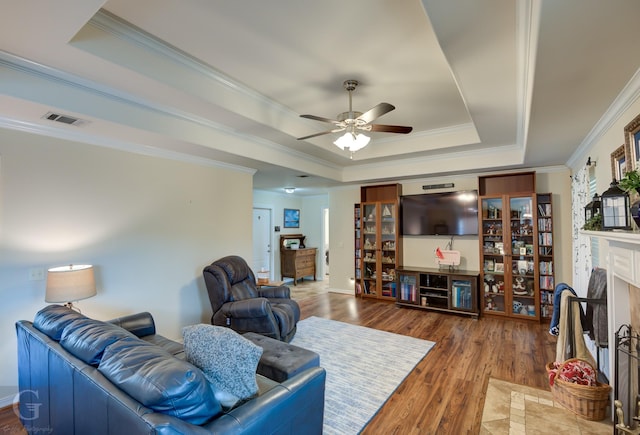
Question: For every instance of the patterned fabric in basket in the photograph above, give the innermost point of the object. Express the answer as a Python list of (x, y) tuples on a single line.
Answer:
[(577, 372)]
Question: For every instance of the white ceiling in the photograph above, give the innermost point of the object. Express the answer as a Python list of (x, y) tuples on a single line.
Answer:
[(486, 84)]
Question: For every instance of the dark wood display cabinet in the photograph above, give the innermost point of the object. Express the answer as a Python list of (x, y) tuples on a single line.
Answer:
[(378, 250), (453, 291), (509, 256)]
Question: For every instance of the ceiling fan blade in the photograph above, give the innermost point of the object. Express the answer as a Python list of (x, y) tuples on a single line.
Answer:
[(320, 118), (376, 112), (320, 134), (391, 128)]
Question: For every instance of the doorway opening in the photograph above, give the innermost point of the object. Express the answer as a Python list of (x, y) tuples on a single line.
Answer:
[(262, 244), (325, 241)]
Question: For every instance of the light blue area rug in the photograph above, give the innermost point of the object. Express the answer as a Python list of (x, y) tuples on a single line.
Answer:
[(364, 367)]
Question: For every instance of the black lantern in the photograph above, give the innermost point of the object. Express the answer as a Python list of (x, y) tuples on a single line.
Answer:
[(615, 208), (593, 208)]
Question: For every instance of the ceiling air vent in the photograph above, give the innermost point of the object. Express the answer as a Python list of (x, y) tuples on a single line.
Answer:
[(65, 119)]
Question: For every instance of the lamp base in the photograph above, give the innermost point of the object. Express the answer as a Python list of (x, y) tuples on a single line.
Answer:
[(72, 307)]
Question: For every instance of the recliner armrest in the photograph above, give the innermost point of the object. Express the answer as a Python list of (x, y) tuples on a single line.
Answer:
[(280, 292), (247, 308), (140, 324)]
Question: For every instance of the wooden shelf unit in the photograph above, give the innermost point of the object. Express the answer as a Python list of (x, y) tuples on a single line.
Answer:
[(452, 291), (546, 270), (377, 245), (509, 256)]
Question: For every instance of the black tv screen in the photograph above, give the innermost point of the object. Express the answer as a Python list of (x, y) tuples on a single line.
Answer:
[(440, 214)]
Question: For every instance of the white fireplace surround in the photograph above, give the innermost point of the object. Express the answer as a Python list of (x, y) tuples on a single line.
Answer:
[(622, 252)]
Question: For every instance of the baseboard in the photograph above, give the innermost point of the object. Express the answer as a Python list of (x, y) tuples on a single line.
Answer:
[(340, 290), (7, 401)]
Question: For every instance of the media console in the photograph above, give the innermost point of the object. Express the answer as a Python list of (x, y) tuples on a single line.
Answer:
[(453, 291)]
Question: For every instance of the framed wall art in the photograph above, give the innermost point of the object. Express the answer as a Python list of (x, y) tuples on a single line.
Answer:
[(632, 142), (291, 218), (619, 162)]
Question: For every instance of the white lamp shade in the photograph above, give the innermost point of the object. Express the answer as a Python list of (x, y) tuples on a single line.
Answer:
[(70, 283), (352, 142)]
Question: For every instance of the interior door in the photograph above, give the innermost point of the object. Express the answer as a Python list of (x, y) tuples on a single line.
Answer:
[(262, 251)]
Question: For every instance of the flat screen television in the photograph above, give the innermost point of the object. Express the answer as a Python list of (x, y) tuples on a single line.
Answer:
[(439, 214)]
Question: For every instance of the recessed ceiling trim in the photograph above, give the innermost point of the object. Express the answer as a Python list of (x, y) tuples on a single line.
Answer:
[(126, 31), (84, 137), (116, 26), (62, 78), (527, 28)]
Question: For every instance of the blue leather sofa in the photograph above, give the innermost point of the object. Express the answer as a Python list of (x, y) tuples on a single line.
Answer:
[(82, 376)]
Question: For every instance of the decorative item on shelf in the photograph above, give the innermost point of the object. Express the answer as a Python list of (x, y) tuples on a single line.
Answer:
[(69, 284), (630, 183), (594, 223), (386, 211), (262, 276), (593, 208), (615, 208)]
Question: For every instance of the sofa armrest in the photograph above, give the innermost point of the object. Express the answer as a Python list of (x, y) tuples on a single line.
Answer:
[(140, 324), (280, 292), (294, 406)]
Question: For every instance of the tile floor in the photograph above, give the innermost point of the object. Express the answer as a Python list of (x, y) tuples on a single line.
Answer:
[(518, 410)]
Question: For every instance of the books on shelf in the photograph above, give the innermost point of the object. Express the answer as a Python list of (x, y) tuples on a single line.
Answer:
[(544, 209), (408, 288), (461, 295), (545, 239), (546, 282), (546, 268), (546, 297), (545, 224)]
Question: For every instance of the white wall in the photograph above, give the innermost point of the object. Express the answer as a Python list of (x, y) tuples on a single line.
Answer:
[(341, 237), (148, 225)]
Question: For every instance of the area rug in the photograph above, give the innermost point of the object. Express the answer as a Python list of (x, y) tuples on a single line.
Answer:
[(364, 367), (517, 409)]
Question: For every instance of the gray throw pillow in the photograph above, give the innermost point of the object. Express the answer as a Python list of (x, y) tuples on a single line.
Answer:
[(228, 360)]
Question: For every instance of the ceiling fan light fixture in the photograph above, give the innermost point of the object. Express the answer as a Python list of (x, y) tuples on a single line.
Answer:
[(352, 142), (289, 189)]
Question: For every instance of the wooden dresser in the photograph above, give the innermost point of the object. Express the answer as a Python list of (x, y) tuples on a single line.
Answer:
[(297, 263)]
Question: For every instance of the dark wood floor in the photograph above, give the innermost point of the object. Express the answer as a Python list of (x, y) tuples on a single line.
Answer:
[(445, 392)]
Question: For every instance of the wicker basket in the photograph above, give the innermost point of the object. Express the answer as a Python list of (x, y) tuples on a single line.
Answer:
[(589, 402)]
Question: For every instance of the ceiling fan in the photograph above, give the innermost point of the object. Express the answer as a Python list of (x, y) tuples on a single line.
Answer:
[(351, 122)]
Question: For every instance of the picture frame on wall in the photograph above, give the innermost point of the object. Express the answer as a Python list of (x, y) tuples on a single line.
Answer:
[(619, 162), (291, 218), (632, 143)]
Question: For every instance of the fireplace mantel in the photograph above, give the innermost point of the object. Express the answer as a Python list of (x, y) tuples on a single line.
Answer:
[(622, 249), (623, 256), (616, 236)]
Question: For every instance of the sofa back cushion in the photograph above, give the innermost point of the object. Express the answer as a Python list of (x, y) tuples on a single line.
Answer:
[(159, 381), (87, 339), (52, 319)]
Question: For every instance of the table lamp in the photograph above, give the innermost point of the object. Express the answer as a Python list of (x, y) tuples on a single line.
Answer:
[(70, 283)]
